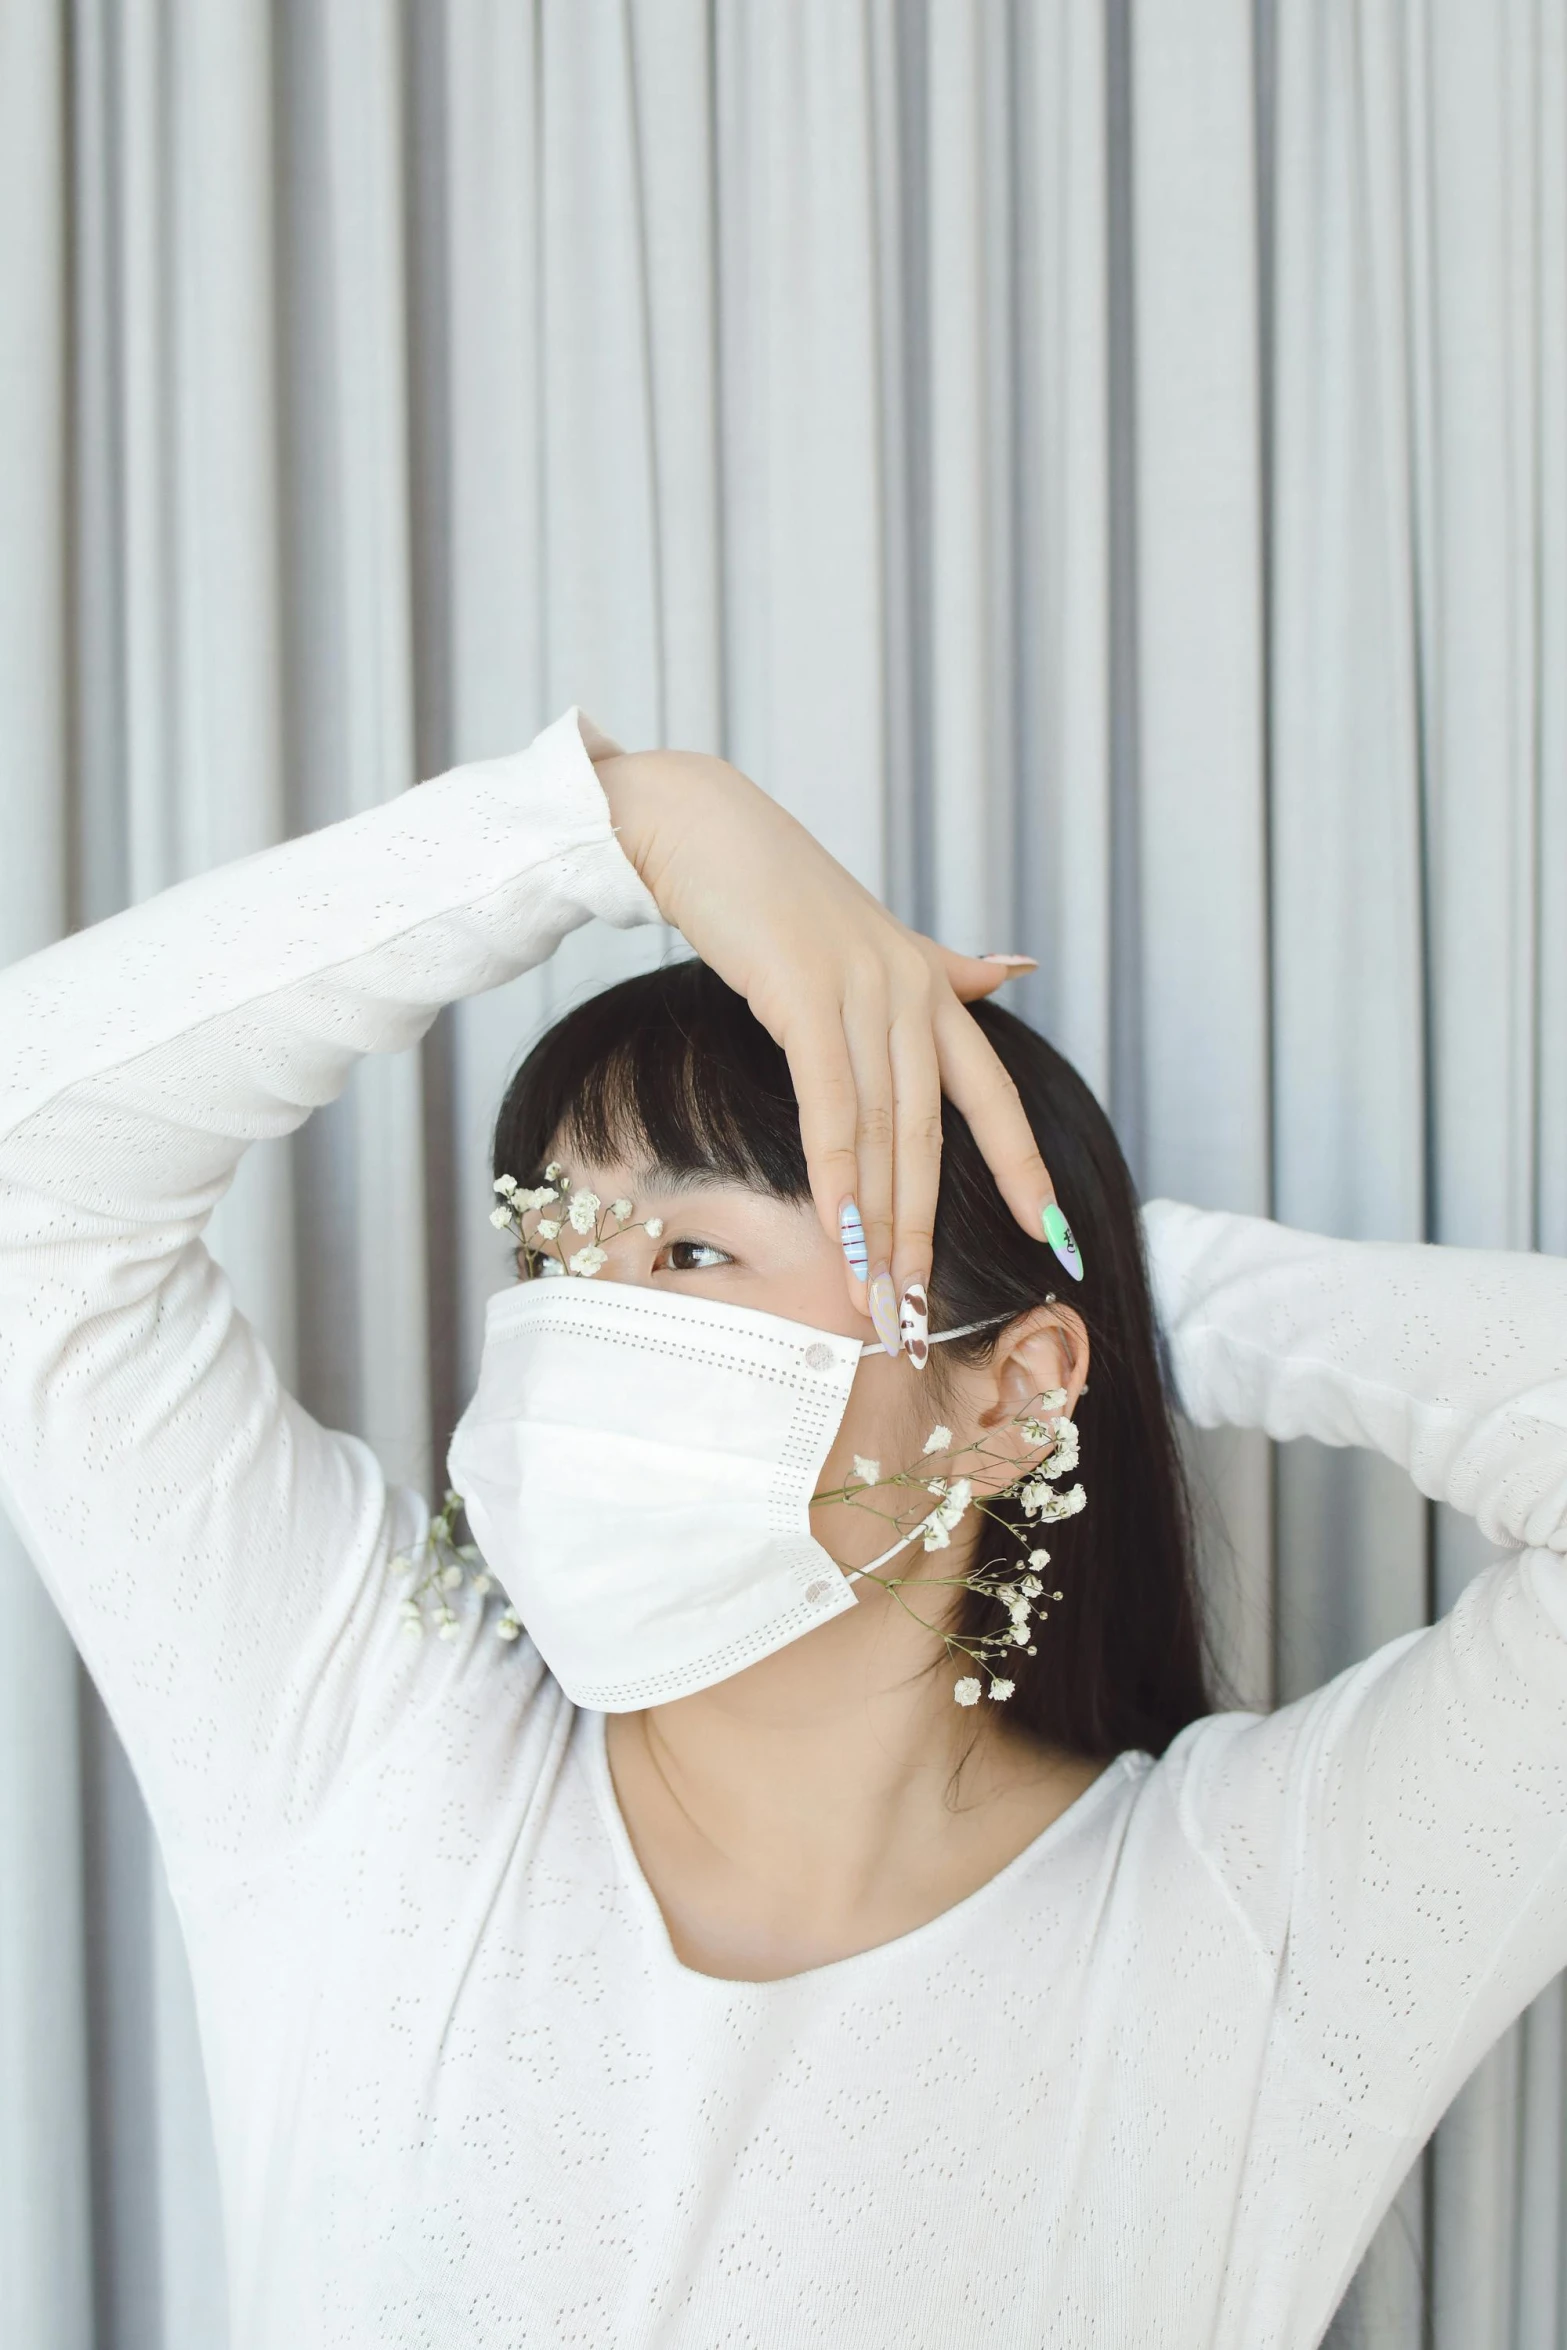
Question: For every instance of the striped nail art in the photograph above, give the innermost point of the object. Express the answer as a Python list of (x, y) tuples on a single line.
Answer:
[(852, 1233), (914, 1324)]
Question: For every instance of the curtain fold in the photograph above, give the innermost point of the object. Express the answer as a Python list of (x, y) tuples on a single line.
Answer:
[(1101, 465)]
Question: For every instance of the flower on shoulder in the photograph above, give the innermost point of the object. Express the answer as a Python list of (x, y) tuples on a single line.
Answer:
[(867, 1471), (938, 1439)]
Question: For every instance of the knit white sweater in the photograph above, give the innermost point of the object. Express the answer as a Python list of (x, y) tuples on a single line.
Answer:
[(1152, 2085)]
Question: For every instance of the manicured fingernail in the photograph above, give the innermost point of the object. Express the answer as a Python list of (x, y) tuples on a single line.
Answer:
[(914, 1324), (882, 1300), (852, 1233), (1014, 962), (1059, 1234)]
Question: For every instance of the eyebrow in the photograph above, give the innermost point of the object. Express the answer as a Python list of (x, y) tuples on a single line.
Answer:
[(679, 1181)]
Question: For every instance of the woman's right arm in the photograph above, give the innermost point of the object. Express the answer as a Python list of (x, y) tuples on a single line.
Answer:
[(218, 1556)]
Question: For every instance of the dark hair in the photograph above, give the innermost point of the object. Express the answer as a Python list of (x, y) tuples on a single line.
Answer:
[(674, 1067)]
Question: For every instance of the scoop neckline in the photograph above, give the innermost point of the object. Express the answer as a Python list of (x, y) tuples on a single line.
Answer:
[(1120, 1768)]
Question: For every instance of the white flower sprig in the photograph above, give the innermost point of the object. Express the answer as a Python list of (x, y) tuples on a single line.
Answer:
[(1021, 1591), (559, 1210), (441, 1565)]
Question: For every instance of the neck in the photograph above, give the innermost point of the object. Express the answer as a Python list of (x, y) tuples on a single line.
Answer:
[(827, 1799)]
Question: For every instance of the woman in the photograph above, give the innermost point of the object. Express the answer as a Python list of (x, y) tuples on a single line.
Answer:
[(792, 1989)]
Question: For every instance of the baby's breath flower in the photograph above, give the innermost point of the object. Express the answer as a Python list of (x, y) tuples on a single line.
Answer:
[(1039, 1560), (587, 1261), (1031, 1587), (547, 1228), (1039, 1500), (1052, 1400), (967, 1690), (536, 1199), (653, 1227), (1064, 1451), (501, 1219), (508, 1627), (1002, 1690), (447, 1628), (867, 1471), (582, 1211), (505, 1185), (938, 1441), (1019, 1635), (553, 1171), (450, 1578), (620, 1208), (483, 1584)]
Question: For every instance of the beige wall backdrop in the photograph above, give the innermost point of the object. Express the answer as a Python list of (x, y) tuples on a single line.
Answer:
[(1101, 462)]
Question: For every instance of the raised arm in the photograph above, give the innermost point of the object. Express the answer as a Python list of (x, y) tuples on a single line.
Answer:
[(1396, 1843), (218, 1556)]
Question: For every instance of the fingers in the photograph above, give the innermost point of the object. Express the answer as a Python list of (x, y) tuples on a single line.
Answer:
[(824, 1087), (916, 1077), (869, 1074), (974, 1079), (866, 1033), (972, 976)]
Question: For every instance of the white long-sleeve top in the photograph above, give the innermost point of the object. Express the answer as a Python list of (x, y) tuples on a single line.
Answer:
[(1153, 2084)]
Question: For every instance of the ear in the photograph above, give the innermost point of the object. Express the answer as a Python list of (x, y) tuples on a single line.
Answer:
[(1044, 1348)]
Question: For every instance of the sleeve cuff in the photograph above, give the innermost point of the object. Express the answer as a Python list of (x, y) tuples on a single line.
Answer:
[(609, 883)]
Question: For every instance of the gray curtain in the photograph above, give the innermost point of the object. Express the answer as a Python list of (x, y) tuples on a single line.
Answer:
[(1100, 462)]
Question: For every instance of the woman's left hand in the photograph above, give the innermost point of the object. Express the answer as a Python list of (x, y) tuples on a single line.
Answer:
[(869, 1013)]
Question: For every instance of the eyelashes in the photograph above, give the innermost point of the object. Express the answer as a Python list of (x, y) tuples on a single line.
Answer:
[(676, 1256)]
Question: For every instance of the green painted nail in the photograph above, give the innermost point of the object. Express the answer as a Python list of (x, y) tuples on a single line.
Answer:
[(1059, 1234)]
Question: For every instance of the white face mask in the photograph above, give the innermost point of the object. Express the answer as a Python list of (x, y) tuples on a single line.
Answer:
[(637, 1466)]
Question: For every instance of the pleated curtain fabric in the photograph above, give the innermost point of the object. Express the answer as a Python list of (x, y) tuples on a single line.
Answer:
[(1100, 463)]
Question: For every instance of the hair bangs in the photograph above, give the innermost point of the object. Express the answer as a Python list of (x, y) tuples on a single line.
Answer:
[(669, 1071)]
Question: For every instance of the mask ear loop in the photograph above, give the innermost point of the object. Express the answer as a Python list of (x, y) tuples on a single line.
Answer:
[(875, 1347)]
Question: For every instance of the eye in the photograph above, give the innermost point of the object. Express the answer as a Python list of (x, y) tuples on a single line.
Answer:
[(690, 1256)]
